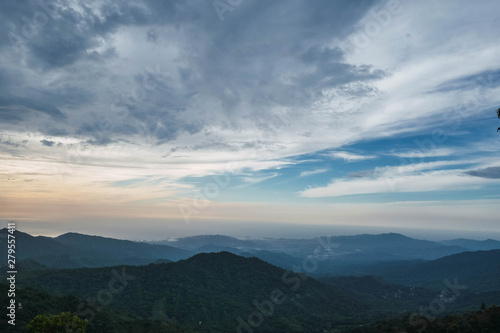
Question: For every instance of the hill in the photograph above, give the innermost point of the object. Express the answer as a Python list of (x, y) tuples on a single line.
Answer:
[(474, 245), (477, 270), (103, 319), (213, 293), (487, 320), (75, 250), (345, 255), (193, 242), (121, 249)]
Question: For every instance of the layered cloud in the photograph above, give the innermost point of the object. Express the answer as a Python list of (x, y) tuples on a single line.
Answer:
[(140, 101)]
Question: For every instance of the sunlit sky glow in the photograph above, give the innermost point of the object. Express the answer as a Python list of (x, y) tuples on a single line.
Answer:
[(153, 119)]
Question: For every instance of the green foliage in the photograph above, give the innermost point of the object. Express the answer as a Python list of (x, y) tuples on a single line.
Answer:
[(478, 270), (485, 321), (65, 322), (208, 293), (37, 302)]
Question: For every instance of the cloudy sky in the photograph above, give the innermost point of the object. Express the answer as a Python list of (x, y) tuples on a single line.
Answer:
[(153, 119)]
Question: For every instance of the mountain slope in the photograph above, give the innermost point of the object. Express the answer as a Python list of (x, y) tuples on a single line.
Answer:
[(75, 250), (193, 242), (35, 302), (361, 248), (477, 270), (121, 249), (474, 245), (218, 290), (28, 246)]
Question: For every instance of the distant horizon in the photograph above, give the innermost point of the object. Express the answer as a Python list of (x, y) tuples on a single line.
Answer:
[(299, 233)]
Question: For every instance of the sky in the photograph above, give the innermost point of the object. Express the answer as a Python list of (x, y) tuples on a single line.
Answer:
[(156, 119)]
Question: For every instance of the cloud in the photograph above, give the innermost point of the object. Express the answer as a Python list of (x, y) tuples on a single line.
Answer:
[(350, 157), (47, 143), (312, 172), (425, 182), (491, 173), (438, 152), (258, 179), (166, 89), (418, 177)]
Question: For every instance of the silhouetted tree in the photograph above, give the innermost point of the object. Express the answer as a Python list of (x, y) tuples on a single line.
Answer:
[(498, 114)]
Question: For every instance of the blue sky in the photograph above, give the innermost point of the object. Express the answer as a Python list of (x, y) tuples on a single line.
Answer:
[(187, 117)]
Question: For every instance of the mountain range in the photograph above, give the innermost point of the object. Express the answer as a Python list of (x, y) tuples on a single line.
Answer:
[(339, 255), (221, 284)]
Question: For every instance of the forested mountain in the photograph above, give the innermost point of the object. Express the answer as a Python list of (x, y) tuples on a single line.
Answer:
[(477, 270), (76, 250), (486, 320), (474, 245), (213, 293), (390, 246), (339, 255), (220, 292), (35, 302), (122, 249)]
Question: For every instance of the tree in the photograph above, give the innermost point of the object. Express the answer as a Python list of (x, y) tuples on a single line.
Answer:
[(66, 322), (498, 114)]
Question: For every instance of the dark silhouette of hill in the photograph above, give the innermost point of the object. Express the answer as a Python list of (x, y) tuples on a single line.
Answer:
[(477, 270), (193, 242), (36, 246), (35, 302), (278, 259), (75, 250), (210, 248), (474, 245), (121, 249), (339, 255), (486, 320), (215, 290)]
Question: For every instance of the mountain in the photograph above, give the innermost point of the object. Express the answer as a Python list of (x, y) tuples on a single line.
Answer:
[(194, 242), (486, 320), (474, 245), (396, 297), (383, 295), (209, 248), (75, 250), (477, 270), (363, 248), (35, 302), (277, 259), (214, 292), (339, 255), (28, 246), (391, 246), (122, 249)]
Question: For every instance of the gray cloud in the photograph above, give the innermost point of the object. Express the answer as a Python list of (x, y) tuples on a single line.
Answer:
[(362, 174), (491, 172), (264, 54), (47, 143), (21, 104)]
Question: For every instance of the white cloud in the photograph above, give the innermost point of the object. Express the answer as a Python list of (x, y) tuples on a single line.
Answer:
[(255, 179), (241, 96), (312, 172), (350, 157), (420, 177), (422, 153)]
